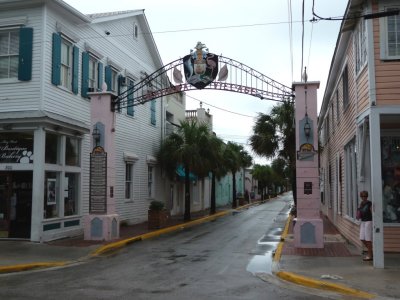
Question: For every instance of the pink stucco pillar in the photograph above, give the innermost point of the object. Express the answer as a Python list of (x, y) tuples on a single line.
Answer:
[(308, 229), (102, 223)]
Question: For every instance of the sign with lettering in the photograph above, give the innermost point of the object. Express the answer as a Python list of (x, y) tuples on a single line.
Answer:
[(98, 181), (16, 148)]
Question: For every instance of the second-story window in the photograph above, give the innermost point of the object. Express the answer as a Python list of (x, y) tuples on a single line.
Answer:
[(390, 35), (345, 82), (16, 61), (65, 63), (130, 109), (93, 73), (360, 46)]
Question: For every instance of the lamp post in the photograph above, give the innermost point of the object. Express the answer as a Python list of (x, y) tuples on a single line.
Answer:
[(307, 128), (96, 136)]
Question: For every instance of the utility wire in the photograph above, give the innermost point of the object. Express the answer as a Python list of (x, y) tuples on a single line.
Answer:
[(309, 50), (231, 112), (290, 36), (302, 39)]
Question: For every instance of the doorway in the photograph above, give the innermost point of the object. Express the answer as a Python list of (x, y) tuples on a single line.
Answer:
[(15, 204)]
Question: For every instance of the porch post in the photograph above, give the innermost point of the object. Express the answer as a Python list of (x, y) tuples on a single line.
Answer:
[(308, 230), (376, 187)]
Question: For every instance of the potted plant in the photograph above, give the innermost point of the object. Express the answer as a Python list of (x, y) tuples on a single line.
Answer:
[(157, 215)]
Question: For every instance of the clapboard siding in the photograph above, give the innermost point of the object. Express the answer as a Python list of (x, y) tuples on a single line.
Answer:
[(391, 239), (342, 130), (25, 95), (387, 73)]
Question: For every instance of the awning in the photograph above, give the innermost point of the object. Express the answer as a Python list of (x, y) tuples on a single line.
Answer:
[(180, 171)]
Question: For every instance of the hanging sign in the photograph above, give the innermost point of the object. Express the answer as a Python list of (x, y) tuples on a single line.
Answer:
[(201, 67)]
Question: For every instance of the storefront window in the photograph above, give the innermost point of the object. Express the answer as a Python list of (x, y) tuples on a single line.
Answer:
[(391, 179), (52, 142), (72, 151), (71, 194), (16, 147), (51, 195)]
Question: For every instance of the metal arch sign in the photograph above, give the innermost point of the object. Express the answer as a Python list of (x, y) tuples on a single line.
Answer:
[(200, 67)]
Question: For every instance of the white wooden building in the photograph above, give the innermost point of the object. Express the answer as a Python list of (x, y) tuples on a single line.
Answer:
[(51, 56)]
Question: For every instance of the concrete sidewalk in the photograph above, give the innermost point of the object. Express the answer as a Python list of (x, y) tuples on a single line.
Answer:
[(337, 268)]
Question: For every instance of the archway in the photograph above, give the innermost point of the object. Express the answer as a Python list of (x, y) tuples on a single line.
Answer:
[(203, 70)]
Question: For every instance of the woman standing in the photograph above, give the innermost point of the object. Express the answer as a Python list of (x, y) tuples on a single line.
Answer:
[(365, 211)]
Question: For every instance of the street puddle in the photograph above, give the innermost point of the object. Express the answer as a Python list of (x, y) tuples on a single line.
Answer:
[(260, 264)]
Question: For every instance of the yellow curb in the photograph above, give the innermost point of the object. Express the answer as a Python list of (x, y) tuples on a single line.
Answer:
[(279, 248), (37, 265), (319, 284), (117, 245)]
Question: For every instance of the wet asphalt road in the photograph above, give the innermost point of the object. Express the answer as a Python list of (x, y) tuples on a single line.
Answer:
[(216, 260)]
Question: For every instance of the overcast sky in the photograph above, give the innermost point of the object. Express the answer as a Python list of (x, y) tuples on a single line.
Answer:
[(253, 32)]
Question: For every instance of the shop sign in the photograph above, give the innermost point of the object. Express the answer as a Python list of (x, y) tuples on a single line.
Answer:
[(306, 152), (16, 148), (98, 181)]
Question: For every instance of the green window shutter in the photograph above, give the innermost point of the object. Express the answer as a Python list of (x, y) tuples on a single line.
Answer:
[(56, 60), (100, 76), (75, 69), (119, 90), (107, 77), (130, 110), (153, 112), (85, 74), (25, 53)]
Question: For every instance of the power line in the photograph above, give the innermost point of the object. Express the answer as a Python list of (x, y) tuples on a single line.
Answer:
[(290, 36), (302, 39), (228, 111)]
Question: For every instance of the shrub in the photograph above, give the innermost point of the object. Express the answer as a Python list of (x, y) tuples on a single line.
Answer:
[(156, 205)]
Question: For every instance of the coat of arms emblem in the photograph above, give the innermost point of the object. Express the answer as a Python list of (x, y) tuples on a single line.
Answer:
[(200, 66)]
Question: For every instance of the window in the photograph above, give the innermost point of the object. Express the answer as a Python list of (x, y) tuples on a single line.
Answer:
[(51, 195), (71, 188), (153, 112), (65, 63), (345, 82), (51, 148), (135, 31), (150, 181), (337, 106), (128, 181), (16, 56), (130, 109), (72, 151), (111, 78), (390, 36), (93, 69), (350, 169), (9, 45), (360, 46), (333, 117)]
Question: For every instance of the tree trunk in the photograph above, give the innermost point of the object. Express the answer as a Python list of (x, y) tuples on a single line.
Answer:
[(213, 200), (234, 204), (187, 216)]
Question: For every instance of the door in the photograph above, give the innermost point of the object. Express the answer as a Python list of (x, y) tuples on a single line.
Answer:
[(15, 204), (5, 194)]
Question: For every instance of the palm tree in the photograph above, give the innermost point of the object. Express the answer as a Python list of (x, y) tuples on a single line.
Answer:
[(264, 176), (235, 157), (186, 147), (216, 165), (274, 136)]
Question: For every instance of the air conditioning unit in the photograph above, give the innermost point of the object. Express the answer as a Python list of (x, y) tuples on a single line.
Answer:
[(90, 90)]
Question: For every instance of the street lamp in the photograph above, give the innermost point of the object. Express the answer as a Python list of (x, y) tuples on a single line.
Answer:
[(96, 136), (307, 128)]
